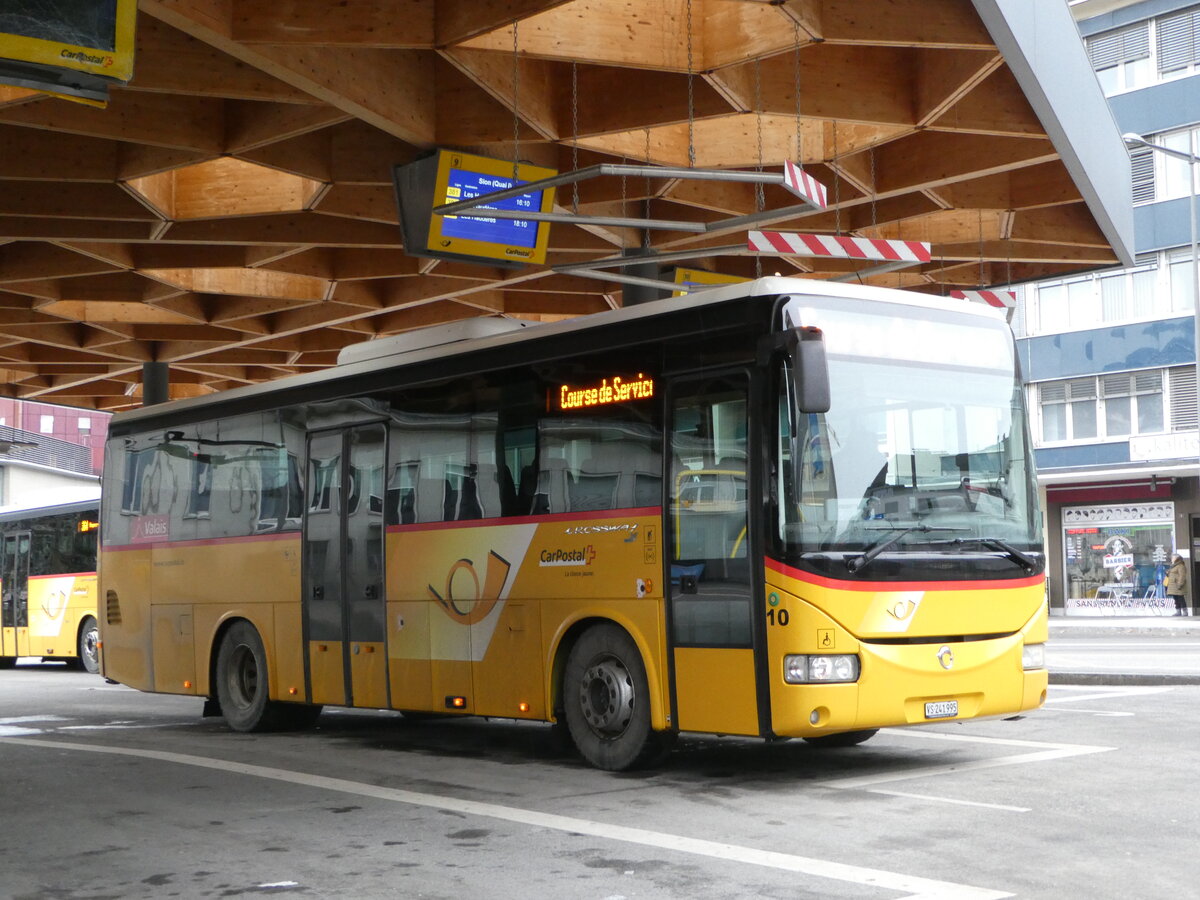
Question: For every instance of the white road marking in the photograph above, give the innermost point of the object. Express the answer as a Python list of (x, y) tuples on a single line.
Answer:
[(1083, 692), (1040, 751), (1089, 712), (914, 887), (22, 720), (1000, 806)]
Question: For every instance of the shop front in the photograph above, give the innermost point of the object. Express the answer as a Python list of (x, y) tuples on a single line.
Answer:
[(1115, 558)]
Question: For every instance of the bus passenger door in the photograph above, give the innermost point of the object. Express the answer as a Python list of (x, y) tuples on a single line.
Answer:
[(712, 635), (343, 568), (14, 595)]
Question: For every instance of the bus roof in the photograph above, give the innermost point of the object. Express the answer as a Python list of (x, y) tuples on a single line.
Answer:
[(444, 341), (15, 513)]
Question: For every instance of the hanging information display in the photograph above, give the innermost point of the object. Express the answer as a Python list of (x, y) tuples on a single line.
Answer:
[(450, 176), (71, 48)]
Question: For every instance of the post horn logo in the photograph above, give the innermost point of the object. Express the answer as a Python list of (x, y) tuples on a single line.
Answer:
[(946, 657), (469, 610)]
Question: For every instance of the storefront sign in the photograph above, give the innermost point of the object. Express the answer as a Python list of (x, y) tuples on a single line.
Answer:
[(1178, 445), (1125, 512)]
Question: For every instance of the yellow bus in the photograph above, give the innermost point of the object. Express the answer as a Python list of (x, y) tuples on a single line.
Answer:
[(786, 508), (48, 584)]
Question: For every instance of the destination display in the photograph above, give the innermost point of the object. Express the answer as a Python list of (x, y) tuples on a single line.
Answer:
[(608, 391)]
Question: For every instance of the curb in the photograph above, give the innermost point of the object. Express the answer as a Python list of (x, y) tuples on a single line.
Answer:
[(1117, 679)]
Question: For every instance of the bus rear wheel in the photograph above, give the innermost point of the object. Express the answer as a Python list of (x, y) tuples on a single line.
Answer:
[(243, 688), (89, 646), (607, 701), (7, 662), (845, 739)]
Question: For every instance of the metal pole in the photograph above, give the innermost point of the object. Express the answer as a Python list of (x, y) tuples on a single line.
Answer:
[(1195, 334)]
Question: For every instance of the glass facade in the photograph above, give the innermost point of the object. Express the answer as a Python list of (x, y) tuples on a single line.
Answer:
[(1115, 558)]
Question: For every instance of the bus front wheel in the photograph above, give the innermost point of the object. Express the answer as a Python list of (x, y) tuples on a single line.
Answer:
[(89, 646), (242, 686), (607, 701), (845, 739)]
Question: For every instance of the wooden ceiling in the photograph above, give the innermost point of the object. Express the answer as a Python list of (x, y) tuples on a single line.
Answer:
[(231, 212)]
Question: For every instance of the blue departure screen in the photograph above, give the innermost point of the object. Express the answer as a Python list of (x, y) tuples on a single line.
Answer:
[(463, 185)]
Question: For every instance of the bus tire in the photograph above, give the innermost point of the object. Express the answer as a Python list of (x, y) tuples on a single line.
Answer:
[(607, 701), (845, 739), (243, 685), (7, 662), (89, 647)]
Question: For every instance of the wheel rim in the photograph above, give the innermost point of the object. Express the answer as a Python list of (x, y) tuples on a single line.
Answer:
[(91, 645), (606, 697), (243, 676)]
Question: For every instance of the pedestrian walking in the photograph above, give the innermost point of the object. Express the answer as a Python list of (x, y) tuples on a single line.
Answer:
[(1177, 584)]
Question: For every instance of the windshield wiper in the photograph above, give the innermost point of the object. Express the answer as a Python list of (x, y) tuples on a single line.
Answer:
[(1024, 560), (855, 563)]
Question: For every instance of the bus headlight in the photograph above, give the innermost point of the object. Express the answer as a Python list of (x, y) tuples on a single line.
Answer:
[(1033, 656), (822, 669)]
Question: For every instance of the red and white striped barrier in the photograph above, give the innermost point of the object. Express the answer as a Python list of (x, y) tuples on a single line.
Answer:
[(782, 243), (998, 299), (803, 185)]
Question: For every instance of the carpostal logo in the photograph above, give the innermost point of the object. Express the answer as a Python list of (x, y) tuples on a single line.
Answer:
[(561, 557), (81, 57)]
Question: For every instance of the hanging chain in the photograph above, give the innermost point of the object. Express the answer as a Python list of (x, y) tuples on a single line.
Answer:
[(799, 160), (874, 196), (837, 186), (981, 275), (691, 92), (516, 82), (646, 202), (759, 199), (574, 135)]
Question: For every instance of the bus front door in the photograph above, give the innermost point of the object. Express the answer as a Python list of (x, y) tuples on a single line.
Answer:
[(14, 595), (711, 626), (343, 568)]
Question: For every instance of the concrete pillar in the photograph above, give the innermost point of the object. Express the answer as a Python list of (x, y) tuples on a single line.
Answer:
[(640, 293), (155, 383)]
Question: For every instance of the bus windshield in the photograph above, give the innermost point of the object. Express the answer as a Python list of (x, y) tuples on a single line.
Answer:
[(924, 445)]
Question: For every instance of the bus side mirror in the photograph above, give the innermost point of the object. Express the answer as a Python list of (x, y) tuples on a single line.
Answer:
[(810, 371)]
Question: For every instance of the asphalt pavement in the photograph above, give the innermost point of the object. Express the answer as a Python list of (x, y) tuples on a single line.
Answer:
[(1124, 650)]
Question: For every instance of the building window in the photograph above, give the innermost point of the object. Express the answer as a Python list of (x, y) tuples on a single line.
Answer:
[(1176, 45), (1108, 406), (84, 424), (47, 425), (1121, 58), (1143, 292)]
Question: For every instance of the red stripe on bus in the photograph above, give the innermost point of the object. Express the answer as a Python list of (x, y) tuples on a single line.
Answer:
[(202, 542), (893, 586), (581, 515), (63, 575)]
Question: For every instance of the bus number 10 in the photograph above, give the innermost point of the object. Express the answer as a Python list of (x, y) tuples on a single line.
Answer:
[(777, 617)]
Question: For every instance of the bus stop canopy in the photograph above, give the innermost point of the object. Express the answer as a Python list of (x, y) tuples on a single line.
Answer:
[(231, 213)]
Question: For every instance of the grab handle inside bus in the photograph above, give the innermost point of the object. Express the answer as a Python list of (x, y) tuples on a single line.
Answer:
[(810, 370)]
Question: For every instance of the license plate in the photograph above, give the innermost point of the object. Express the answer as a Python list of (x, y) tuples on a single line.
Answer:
[(942, 709)]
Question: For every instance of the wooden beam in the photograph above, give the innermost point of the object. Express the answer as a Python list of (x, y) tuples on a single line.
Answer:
[(42, 156), (903, 23), (45, 199), (390, 89), (169, 61), (159, 120), (22, 261), (284, 229), (251, 125), (459, 20), (397, 24), (531, 91)]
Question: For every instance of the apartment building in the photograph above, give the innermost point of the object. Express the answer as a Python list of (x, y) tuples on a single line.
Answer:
[(1110, 358)]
